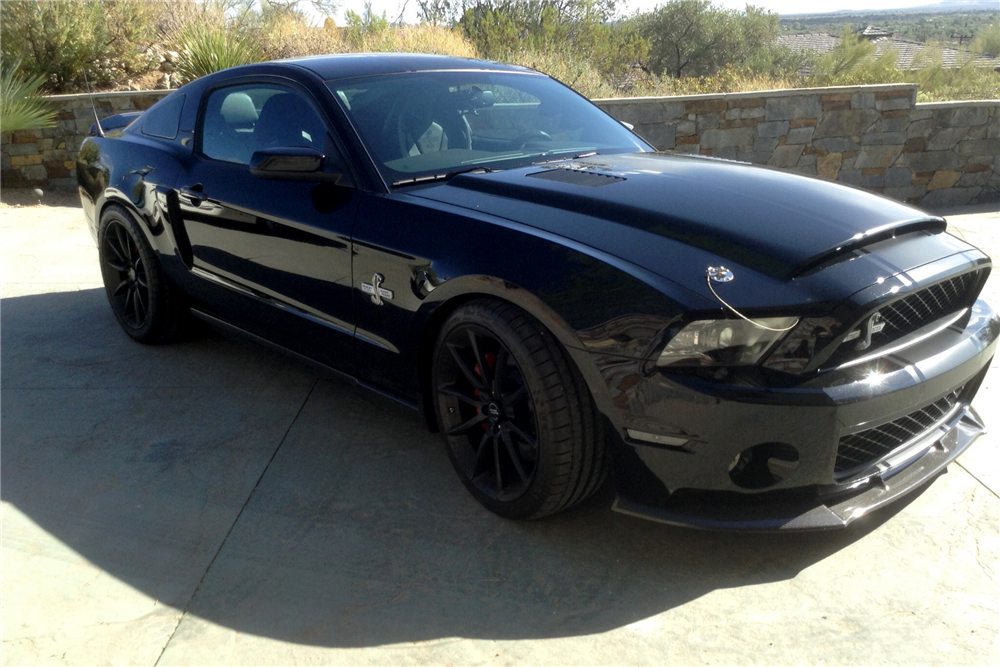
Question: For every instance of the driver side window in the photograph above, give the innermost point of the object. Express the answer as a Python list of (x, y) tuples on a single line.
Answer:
[(240, 120)]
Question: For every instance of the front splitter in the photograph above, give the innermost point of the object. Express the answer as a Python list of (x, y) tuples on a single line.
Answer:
[(818, 514)]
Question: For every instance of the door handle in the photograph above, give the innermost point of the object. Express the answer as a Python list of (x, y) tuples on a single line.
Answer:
[(194, 193)]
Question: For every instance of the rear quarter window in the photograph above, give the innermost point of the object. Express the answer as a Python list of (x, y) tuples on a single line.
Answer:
[(165, 119)]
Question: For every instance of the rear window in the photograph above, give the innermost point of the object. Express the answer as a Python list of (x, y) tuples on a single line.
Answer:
[(164, 120)]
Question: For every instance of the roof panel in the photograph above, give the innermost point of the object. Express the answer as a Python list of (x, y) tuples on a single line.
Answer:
[(344, 65)]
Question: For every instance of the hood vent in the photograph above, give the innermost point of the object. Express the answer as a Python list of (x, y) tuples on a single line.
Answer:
[(590, 179)]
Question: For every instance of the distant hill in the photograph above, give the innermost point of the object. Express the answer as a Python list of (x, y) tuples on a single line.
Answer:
[(950, 22), (936, 8)]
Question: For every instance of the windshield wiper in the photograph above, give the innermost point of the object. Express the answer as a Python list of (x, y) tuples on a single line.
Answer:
[(568, 157), (444, 176)]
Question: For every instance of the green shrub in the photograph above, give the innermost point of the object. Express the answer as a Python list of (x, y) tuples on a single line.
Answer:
[(367, 31), (575, 71), (57, 40), (967, 82), (853, 62), (987, 40), (205, 49), (21, 107)]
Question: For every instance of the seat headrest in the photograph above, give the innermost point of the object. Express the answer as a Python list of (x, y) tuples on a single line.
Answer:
[(283, 119), (238, 109)]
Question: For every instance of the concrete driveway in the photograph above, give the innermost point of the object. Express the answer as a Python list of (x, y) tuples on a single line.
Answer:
[(212, 503)]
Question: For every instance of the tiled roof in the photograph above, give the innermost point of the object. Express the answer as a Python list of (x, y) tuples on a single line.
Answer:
[(908, 54), (872, 31)]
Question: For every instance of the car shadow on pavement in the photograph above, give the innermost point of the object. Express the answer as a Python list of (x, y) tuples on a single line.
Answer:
[(229, 482)]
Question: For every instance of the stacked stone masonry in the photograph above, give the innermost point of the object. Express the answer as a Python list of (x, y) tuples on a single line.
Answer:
[(47, 157), (937, 155)]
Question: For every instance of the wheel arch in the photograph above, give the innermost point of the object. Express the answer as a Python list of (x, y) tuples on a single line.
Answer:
[(486, 289), (114, 196)]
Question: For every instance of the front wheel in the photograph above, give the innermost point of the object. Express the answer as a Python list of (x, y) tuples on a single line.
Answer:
[(518, 422)]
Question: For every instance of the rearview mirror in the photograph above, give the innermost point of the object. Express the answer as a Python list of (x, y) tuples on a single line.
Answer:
[(482, 98), (291, 163)]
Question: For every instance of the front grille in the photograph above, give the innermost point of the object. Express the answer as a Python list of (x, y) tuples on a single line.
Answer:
[(910, 313), (915, 310), (868, 446)]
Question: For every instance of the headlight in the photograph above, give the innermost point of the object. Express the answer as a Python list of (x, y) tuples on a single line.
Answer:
[(724, 342)]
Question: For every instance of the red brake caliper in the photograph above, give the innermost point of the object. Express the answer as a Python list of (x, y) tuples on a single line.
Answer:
[(491, 361)]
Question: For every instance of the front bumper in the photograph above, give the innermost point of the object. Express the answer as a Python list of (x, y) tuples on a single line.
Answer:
[(692, 484), (941, 446)]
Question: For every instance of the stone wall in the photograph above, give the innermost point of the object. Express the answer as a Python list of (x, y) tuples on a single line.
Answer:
[(48, 157), (936, 155)]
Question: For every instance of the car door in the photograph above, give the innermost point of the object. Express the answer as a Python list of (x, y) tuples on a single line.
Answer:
[(282, 247)]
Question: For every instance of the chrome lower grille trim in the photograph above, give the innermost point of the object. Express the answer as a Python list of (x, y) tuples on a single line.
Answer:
[(872, 447)]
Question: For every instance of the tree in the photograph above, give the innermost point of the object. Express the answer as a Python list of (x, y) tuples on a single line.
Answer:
[(361, 27), (987, 40), (501, 28), (437, 12), (688, 38), (695, 38)]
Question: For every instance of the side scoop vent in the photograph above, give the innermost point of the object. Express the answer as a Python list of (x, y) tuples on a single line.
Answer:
[(590, 179)]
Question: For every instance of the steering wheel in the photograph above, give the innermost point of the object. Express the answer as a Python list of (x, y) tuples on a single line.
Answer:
[(520, 140)]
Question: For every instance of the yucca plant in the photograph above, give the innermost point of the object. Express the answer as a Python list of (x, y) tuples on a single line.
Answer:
[(21, 107), (206, 49)]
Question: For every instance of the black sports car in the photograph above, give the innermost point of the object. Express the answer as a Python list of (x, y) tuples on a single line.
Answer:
[(735, 346)]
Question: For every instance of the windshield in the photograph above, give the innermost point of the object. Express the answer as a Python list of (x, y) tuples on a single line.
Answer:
[(433, 124)]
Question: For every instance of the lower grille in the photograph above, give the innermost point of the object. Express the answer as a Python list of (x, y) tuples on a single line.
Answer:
[(868, 446)]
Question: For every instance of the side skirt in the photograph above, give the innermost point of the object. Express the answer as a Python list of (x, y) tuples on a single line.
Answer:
[(328, 371)]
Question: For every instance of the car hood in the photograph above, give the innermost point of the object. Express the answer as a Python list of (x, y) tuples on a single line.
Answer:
[(771, 221), (672, 213)]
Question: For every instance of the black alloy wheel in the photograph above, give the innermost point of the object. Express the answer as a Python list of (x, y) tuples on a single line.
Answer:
[(147, 306), (122, 261), (488, 408), (518, 421)]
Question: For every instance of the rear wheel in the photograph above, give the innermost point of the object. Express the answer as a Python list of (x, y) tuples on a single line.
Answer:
[(146, 305), (518, 422)]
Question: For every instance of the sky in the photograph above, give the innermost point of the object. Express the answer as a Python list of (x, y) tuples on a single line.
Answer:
[(392, 8)]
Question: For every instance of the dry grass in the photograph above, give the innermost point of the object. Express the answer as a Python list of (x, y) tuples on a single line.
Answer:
[(423, 38), (577, 73), (288, 37)]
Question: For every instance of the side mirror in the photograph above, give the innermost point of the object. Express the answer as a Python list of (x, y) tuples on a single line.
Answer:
[(628, 125), (291, 163)]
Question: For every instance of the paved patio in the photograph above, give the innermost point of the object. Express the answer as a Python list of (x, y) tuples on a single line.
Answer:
[(212, 503)]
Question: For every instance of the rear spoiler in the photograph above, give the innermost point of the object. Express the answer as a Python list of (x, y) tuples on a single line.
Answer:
[(116, 122)]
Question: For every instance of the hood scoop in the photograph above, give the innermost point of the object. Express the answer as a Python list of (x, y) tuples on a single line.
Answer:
[(861, 243), (590, 179)]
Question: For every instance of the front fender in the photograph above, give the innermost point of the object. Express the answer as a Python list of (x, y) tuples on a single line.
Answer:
[(433, 257)]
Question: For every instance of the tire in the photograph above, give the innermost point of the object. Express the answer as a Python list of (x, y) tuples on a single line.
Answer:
[(147, 306), (525, 438)]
